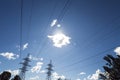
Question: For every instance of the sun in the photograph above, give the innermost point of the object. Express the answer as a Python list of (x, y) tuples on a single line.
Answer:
[(60, 39)]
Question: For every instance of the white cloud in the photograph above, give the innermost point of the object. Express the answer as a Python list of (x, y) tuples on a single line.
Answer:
[(62, 77), (35, 58), (60, 40), (42, 71), (25, 46), (117, 50), (78, 79), (54, 22), (82, 73), (13, 72), (9, 55), (37, 67), (94, 76), (34, 78), (55, 76)]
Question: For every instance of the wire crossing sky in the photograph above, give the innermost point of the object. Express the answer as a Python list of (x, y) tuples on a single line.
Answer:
[(74, 34)]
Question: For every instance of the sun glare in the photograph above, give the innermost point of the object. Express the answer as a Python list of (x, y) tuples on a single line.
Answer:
[(60, 40)]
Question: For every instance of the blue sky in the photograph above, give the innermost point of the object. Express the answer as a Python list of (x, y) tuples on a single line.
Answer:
[(92, 25)]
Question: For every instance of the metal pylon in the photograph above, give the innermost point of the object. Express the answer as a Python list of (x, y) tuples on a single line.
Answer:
[(25, 64)]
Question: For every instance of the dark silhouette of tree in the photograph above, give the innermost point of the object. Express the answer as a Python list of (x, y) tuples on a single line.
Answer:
[(16, 78), (112, 68), (5, 75)]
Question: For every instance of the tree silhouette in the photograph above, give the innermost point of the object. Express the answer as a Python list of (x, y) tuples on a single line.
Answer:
[(17, 77), (5, 75), (112, 68)]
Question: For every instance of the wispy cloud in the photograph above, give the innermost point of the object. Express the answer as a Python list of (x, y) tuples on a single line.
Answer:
[(60, 40), (13, 72), (53, 23), (25, 46), (117, 50), (34, 78), (82, 73), (35, 58), (37, 67), (9, 55)]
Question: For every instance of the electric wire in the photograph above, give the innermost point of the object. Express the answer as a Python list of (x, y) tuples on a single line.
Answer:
[(112, 22), (110, 33), (103, 38), (63, 10), (90, 57), (83, 66), (40, 49), (30, 20), (59, 18), (21, 24), (62, 13)]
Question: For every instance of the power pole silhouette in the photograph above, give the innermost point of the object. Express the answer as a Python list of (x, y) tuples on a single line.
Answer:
[(49, 68), (25, 64)]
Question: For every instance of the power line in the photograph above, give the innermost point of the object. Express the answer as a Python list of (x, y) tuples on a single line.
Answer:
[(92, 35), (60, 17), (40, 49), (103, 38), (88, 58), (96, 34), (83, 66), (30, 19), (62, 13), (110, 33), (64, 10), (21, 23)]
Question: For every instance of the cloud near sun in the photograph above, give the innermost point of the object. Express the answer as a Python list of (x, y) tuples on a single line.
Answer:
[(59, 39)]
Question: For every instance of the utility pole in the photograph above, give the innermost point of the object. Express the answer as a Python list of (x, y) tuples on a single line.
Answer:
[(49, 68), (25, 64)]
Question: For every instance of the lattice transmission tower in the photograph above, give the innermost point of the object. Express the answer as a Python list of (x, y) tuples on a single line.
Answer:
[(49, 72), (25, 64)]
